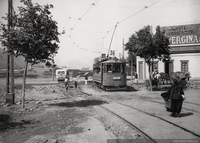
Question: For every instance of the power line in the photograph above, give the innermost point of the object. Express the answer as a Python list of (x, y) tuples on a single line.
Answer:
[(139, 11), (93, 4), (130, 17), (81, 2)]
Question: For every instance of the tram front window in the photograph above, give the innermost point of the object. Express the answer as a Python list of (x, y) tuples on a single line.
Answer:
[(116, 68), (123, 68), (96, 70)]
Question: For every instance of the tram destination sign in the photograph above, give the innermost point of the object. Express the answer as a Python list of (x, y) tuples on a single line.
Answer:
[(183, 34)]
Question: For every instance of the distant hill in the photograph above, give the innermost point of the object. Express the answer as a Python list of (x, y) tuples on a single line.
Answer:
[(76, 64), (18, 62)]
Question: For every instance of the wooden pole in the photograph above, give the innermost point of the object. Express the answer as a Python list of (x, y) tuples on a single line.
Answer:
[(11, 58), (123, 50), (10, 62)]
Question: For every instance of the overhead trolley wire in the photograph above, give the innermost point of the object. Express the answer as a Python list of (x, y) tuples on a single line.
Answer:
[(93, 4), (139, 11), (128, 18)]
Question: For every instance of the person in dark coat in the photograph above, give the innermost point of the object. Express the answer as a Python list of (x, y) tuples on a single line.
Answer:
[(176, 97)]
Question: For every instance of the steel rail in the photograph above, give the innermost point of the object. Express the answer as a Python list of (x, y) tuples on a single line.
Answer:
[(133, 126), (127, 122), (183, 128)]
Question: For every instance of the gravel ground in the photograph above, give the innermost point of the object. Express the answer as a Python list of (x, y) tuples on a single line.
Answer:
[(51, 116)]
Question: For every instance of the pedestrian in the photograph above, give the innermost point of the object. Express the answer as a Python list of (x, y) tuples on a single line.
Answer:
[(155, 76), (75, 82), (136, 77), (86, 79), (154, 73), (66, 82), (176, 97)]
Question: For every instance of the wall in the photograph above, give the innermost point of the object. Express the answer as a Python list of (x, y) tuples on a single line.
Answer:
[(193, 66)]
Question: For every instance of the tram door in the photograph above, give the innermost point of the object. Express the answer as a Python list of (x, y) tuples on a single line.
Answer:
[(140, 74), (169, 67)]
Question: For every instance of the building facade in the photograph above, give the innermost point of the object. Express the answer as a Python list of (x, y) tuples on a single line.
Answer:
[(185, 52)]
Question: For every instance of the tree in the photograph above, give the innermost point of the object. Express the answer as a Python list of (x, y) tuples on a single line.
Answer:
[(132, 62), (148, 46), (131, 54), (34, 36)]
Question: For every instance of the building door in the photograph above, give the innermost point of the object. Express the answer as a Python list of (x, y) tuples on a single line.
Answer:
[(140, 70), (169, 67)]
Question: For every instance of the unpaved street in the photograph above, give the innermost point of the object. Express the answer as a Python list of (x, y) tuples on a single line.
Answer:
[(51, 115)]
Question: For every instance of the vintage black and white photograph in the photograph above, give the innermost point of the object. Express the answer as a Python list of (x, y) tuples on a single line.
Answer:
[(99, 71)]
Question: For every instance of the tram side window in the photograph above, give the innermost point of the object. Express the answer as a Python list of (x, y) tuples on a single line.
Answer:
[(109, 68), (104, 69), (116, 68), (123, 68)]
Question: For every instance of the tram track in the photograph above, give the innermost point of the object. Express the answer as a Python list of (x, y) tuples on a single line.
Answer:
[(185, 129), (145, 135), (153, 115), (159, 102)]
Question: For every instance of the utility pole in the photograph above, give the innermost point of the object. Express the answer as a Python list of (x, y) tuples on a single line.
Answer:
[(123, 50), (131, 56), (53, 68), (10, 62)]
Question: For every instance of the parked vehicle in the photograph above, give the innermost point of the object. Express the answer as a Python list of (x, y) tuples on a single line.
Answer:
[(61, 74)]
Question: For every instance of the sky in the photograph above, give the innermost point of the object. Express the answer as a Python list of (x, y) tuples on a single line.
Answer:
[(89, 25)]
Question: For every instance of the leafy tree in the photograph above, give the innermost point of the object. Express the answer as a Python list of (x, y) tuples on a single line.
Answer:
[(148, 46), (131, 53), (34, 36), (132, 62)]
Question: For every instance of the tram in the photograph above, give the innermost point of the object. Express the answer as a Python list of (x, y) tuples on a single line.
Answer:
[(109, 73)]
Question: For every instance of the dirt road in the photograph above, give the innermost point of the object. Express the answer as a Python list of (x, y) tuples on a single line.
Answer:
[(52, 116)]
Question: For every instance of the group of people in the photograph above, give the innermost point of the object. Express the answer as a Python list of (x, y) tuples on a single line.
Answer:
[(67, 80)]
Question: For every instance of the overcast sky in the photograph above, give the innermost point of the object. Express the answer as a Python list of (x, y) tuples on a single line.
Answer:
[(89, 24)]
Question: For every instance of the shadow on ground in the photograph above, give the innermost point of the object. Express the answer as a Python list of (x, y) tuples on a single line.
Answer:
[(127, 89), (7, 123), (82, 103), (186, 114), (164, 88)]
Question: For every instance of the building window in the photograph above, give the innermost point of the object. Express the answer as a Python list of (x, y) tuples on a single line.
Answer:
[(184, 66)]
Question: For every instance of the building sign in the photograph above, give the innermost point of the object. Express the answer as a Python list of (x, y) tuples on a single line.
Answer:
[(183, 34)]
